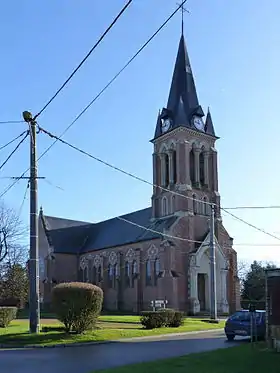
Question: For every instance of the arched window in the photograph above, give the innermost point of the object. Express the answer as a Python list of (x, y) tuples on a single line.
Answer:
[(167, 178), (173, 203), (174, 166), (134, 268), (164, 206), (156, 270), (127, 274), (134, 272), (110, 276), (204, 206), (90, 272), (117, 270), (194, 204), (81, 275), (94, 275), (201, 167), (99, 274), (192, 167), (85, 274), (148, 273)]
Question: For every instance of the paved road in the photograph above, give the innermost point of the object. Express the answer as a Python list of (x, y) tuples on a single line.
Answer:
[(103, 356)]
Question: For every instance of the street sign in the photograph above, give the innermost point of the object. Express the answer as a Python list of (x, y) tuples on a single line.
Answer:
[(158, 304)]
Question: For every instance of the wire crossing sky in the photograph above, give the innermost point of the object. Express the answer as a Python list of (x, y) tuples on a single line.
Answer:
[(229, 56)]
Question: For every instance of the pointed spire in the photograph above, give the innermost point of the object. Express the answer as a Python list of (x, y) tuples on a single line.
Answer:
[(182, 95), (183, 105), (209, 127)]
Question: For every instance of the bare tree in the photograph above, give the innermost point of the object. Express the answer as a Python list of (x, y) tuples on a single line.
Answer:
[(13, 233), (242, 269)]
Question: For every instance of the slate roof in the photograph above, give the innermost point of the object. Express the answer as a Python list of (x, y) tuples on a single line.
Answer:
[(209, 127), (76, 237), (182, 101), (53, 222)]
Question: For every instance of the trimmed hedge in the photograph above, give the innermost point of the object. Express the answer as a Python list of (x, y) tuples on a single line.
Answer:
[(178, 320), (152, 319), (162, 318), (7, 314), (77, 305), (167, 315)]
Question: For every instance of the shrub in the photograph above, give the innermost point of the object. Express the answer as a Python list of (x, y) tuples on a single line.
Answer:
[(7, 314), (152, 319), (163, 317), (77, 305), (167, 315), (178, 318)]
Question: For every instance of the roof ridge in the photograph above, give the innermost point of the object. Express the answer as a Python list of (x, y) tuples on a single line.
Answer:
[(123, 215), (58, 217), (73, 227)]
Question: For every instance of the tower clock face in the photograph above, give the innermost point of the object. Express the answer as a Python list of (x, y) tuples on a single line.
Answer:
[(198, 123), (165, 124)]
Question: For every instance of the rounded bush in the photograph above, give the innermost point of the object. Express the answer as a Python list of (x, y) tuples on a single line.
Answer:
[(77, 305), (7, 314), (165, 317), (177, 320), (152, 319)]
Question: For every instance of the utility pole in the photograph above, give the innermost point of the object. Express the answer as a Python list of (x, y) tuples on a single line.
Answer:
[(34, 301), (213, 287)]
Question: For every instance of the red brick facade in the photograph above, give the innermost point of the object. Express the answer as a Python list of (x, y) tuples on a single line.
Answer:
[(176, 266)]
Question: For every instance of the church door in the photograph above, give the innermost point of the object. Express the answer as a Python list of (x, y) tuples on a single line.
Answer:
[(201, 291)]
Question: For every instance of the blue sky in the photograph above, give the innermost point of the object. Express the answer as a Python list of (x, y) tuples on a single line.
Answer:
[(234, 52)]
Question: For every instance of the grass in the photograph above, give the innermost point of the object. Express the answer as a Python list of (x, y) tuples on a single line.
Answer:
[(121, 319), (241, 359), (24, 314), (108, 328)]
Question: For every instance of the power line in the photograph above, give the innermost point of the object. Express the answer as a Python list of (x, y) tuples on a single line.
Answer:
[(226, 208), (150, 183), (53, 185), (113, 79), (15, 149), (189, 240), (11, 185), (13, 140), (96, 97), (250, 225), (115, 167), (24, 198), (181, 238), (252, 207), (84, 59), (257, 244), (11, 121), (156, 232)]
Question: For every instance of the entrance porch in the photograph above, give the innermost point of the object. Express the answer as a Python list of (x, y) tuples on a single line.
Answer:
[(200, 279)]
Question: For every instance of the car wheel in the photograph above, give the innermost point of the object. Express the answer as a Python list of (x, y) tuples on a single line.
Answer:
[(230, 337)]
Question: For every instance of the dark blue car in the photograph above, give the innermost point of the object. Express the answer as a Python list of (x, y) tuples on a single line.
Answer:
[(240, 324)]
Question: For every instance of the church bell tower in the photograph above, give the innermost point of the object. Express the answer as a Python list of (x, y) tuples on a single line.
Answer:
[(184, 158)]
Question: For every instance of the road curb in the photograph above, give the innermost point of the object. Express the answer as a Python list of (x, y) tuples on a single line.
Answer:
[(86, 344)]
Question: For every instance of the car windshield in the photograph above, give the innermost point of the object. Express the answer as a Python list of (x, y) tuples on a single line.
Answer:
[(245, 316)]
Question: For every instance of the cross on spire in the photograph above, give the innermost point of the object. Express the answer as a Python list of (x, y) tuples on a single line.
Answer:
[(183, 10)]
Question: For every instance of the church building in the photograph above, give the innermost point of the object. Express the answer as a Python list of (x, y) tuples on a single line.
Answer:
[(160, 252)]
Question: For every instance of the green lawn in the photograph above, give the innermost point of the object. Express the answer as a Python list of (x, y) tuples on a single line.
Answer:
[(108, 328), (24, 314), (121, 319), (241, 359)]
